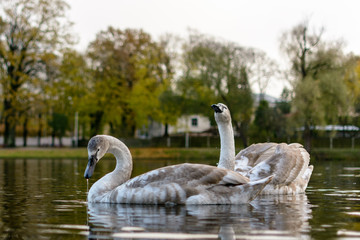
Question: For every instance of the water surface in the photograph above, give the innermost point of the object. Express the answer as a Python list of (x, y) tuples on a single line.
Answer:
[(46, 199)]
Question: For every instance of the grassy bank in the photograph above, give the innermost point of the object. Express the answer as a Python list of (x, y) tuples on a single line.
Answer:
[(336, 154), (163, 153)]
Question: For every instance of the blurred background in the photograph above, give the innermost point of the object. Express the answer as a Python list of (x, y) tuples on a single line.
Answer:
[(148, 72)]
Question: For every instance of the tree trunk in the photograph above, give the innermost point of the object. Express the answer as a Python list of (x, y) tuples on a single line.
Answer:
[(307, 138), (60, 141), (242, 126), (39, 131), (9, 108), (95, 124), (25, 131), (9, 121), (166, 134), (53, 138)]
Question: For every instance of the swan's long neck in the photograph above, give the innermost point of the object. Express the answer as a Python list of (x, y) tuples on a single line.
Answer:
[(227, 149), (121, 173), (123, 157)]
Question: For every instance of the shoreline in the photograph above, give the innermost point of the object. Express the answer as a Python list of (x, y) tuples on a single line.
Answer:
[(159, 153)]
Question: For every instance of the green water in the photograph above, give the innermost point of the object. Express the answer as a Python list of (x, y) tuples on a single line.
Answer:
[(46, 199)]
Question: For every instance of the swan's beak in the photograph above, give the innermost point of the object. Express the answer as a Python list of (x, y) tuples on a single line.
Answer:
[(216, 108), (90, 167)]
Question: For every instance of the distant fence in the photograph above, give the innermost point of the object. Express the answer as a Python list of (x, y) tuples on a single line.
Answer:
[(44, 141), (194, 141), (214, 142)]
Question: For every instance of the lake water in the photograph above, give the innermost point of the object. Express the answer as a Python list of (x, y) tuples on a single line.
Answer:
[(46, 199)]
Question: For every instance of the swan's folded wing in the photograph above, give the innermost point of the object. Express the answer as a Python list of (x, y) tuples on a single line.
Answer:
[(305, 160), (256, 153), (234, 178), (295, 161), (189, 175), (275, 164), (187, 184), (287, 163)]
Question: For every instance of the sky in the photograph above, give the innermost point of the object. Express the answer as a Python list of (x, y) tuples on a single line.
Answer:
[(250, 23)]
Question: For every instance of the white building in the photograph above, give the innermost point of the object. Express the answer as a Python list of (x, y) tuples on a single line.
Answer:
[(190, 123), (186, 124)]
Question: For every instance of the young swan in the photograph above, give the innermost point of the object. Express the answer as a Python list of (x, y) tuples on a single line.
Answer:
[(177, 184), (227, 144), (288, 163)]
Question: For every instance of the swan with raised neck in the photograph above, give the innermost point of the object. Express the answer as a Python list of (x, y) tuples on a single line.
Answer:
[(227, 143), (287, 163), (178, 184)]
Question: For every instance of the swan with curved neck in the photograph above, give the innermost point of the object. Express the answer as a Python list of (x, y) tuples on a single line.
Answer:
[(288, 163), (178, 184)]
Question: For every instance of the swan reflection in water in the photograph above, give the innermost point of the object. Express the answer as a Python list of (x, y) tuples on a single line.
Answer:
[(283, 216)]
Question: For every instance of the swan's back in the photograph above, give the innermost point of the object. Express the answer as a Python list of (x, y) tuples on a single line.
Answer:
[(288, 163), (185, 184)]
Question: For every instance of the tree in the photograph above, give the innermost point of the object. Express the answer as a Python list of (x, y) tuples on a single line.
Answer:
[(284, 105), (273, 121), (170, 100), (71, 88), (218, 72), (129, 73), (300, 44), (59, 124), (241, 103), (29, 31), (171, 105), (262, 70), (263, 120), (352, 81), (318, 70)]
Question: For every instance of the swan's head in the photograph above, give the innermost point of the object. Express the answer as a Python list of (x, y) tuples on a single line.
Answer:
[(222, 113), (97, 148)]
